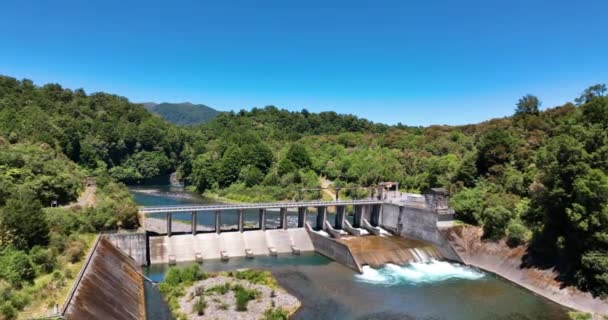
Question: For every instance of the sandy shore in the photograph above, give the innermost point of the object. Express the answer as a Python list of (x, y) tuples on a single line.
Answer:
[(500, 259)]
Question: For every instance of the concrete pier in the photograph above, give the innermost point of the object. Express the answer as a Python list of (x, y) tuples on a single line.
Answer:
[(357, 217), (194, 222), (262, 219), (240, 220), (283, 218), (340, 217), (218, 221), (169, 219), (301, 217), (321, 217)]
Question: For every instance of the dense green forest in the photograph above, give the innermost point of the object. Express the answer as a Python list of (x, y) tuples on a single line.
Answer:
[(183, 114), (536, 178)]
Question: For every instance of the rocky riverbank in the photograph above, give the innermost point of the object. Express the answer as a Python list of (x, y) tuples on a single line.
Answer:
[(500, 259)]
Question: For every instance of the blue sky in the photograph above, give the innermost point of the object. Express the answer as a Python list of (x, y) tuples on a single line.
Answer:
[(415, 62)]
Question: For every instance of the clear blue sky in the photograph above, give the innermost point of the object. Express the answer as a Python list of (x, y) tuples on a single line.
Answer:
[(415, 62)]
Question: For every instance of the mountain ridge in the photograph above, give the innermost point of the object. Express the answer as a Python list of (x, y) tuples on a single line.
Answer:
[(184, 113)]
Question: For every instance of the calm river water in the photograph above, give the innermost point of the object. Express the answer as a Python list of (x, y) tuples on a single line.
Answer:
[(436, 290)]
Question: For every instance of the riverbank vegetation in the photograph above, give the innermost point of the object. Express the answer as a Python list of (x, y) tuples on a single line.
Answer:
[(537, 177)]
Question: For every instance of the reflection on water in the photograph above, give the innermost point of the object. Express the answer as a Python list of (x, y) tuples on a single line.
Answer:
[(434, 290)]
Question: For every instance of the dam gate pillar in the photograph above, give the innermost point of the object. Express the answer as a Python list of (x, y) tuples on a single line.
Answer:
[(169, 218), (358, 216), (321, 217), (217, 220), (262, 219), (340, 210), (240, 220), (194, 223), (301, 217), (283, 218)]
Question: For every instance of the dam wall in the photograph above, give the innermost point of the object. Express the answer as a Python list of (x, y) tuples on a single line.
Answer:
[(334, 250), (418, 223), (210, 246), (110, 286), (134, 244)]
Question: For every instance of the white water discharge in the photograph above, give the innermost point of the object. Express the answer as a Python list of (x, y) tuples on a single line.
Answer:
[(417, 273)]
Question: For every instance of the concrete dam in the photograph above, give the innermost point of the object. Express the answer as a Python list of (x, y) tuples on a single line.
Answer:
[(397, 229)]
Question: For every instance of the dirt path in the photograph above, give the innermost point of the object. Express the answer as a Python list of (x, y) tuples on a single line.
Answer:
[(325, 183), (87, 198)]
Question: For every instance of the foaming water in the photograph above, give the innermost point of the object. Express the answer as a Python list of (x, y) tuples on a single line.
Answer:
[(417, 273)]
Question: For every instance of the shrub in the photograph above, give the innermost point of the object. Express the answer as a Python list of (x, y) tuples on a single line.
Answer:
[(176, 275), (8, 311), (243, 296), (220, 288), (199, 306), (517, 233), (44, 259), (275, 314), (75, 251), (16, 267), (468, 205), (495, 221), (575, 315), (255, 277)]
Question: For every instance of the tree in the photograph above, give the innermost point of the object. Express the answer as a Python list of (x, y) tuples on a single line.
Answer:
[(593, 91), (468, 204), (495, 149), (299, 156), (495, 221), (527, 104), (16, 267), (24, 220)]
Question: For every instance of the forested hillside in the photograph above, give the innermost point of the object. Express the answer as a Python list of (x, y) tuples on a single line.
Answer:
[(537, 177), (98, 131), (183, 114)]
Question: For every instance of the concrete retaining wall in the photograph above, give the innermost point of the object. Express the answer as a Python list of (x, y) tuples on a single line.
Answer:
[(133, 244), (417, 223), (111, 287), (334, 250), (500, 259)]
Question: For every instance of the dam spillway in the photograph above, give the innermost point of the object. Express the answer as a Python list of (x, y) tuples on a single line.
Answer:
[(358, 232), (377, 251), (209, 246)]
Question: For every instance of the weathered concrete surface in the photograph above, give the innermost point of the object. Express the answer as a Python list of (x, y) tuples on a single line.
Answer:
[(133, 244), (334, 250), (232, 243), (111, 287), (279, 239), (506, 262), (184, 247), (379, 250), (418, 223), (256, 241), (301, 239)]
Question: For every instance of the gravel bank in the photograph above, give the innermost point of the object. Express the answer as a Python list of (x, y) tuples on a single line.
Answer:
[(222, 306)]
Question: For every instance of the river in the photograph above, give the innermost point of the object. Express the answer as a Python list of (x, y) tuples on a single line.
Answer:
[(435, 290)]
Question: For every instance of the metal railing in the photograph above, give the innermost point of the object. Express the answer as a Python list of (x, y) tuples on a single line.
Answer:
[(244, 206)]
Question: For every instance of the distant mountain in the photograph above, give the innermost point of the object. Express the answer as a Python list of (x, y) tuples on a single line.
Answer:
[(182, 113)]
